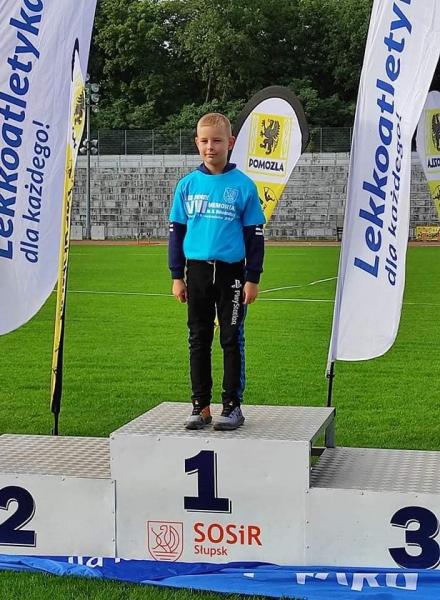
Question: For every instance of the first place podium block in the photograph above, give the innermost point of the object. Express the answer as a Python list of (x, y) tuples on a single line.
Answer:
[(212, 496)]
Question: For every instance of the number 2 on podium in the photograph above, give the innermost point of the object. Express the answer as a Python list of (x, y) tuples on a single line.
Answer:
[(205, 465), (11, 532)]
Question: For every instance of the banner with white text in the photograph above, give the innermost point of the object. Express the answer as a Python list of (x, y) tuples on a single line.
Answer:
[(401, 55), (428, 145), (250, 578), (36, 49), (271, 134)]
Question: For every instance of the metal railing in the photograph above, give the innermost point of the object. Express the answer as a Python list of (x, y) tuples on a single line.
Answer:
[(181, 141)]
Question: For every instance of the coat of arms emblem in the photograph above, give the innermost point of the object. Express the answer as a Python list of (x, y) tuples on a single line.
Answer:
[(165, 540)]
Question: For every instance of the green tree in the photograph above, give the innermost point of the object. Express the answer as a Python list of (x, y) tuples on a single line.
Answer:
[(165, 62), (144, 77), (190, 113), (332, 39), (239, 47)]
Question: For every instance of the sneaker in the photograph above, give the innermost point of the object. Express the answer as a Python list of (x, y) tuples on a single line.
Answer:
[(199, 417), (231, 417)]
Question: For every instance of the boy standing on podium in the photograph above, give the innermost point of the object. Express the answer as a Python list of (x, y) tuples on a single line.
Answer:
[(216, 250)]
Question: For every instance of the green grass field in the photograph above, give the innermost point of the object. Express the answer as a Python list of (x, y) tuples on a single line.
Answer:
[(126, 351)]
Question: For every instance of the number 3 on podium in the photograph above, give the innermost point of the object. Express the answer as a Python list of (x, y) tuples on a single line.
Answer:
[(422, 537)]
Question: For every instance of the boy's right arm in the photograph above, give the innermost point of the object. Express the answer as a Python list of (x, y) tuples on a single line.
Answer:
[(176, 259), (176, 256), (179, 290)]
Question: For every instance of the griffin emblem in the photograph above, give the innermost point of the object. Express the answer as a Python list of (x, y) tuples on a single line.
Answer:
[(270, 134)]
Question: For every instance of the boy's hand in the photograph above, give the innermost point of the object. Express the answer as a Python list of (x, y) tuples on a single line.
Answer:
[(179, 290), (250, 292)]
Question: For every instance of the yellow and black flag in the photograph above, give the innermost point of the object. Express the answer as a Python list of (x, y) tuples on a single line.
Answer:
[(75, 132), (271, 134), (428, 145)]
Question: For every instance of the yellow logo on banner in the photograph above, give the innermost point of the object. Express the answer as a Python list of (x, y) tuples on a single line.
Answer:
[(434, 188), (269, 194), (433, 132), (269, 142)]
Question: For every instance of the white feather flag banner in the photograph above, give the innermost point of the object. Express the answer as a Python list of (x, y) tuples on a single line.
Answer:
[(401, 55), (36, 48)]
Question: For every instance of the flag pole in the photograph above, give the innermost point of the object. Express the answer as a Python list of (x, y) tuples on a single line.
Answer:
[(330, 376), (57, 375), (76, 127), (58, 342)]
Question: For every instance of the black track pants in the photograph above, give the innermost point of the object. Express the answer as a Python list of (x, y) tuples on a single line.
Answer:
[(216, 287)]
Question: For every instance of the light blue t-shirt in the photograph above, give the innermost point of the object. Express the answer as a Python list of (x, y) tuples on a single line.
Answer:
[(215, 208)]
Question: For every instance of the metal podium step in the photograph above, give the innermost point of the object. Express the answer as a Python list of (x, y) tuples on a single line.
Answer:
[(374, 507), (155, 490), (57, 496), (52, 455), (197, 488), (378, 469), (293, 423)]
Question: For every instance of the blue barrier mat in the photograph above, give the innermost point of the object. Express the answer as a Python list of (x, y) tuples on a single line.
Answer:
[(306, 583)]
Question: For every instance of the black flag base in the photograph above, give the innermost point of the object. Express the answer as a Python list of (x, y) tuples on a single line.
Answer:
[(330, 376), (56, 417)]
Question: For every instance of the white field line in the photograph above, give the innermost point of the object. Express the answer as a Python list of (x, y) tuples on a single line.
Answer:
[(150, 255), (132, 254), (332, 301), (115, 293), (420, 304), (290, 287), (293, 300), (148, 294), (152, 294)]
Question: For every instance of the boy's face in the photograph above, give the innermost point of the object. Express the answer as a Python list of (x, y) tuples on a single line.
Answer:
[(213, 144)]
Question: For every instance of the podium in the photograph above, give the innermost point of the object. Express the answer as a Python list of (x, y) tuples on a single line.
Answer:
[(56, 496), (215, 496), (375, 507), (276, 490)]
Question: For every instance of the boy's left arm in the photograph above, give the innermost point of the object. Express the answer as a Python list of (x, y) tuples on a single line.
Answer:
[(253, 220), (254, 244)]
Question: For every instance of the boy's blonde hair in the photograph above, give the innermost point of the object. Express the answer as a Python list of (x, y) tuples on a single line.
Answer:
[(216, 120)]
